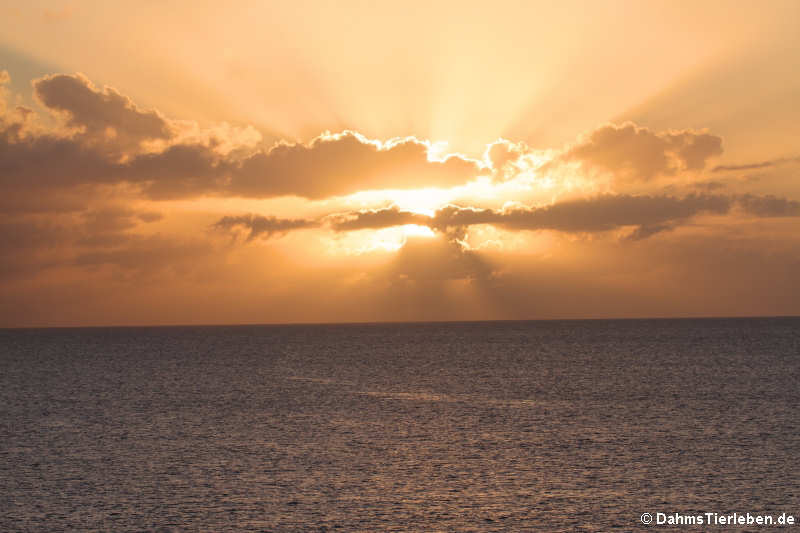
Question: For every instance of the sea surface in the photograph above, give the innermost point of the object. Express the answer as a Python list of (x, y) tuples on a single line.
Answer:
[(491, 426)]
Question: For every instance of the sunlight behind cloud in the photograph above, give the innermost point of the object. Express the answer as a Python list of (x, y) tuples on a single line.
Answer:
[(385, 240), (527, 148), (423, 201)]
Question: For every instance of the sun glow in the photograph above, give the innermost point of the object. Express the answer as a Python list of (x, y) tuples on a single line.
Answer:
[(422, 201), (392, 239), (415, 230), (386, 240)]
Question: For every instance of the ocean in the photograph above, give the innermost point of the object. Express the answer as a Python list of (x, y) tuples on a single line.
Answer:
[(487, 426)]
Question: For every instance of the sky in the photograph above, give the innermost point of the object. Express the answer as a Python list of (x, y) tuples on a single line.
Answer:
[(286, 162)]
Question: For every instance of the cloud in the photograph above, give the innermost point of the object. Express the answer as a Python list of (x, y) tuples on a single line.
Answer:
[(261, 226), (30, 161), (376, 219), (34, 241), (508, 159), (751, 166), (5, 79), (631, 152), (105, 116), (180, 171), (769, 206), (648, 214), (425, 260), (716, 273), (755, 166), (599, 213), (144, 255), (109, 225), (647, 230), (329, 165), (344, 163), (107, 139), (19, 200), (427, 279), (73, 222)]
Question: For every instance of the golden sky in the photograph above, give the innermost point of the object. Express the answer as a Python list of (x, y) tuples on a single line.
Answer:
[(260, 162)]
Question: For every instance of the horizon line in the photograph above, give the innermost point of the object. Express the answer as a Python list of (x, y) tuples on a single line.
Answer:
[(396, 322)]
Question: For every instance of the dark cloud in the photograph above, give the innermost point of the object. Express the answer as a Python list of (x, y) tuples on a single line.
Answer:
[(377, 218), (66, 214), (710, 185), (18, 235), (109, 226), (33, 241), (755, 166), (105, 116), (751, 166), (28, 246), (5, 79), (261, 226), (20, 200), (769, 206), (36, 164), (425, 260), (648, 230), (599, 213), (117, 218), (33, 161), (697, 273), (328, 166), (648, 214), (428, 279), (144, 255), (104, 145), (180, 171), (635, 153), (338, 164)]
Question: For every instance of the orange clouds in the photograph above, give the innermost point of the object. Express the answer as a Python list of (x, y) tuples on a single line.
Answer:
[(101, 116), (104, 145), (109, 140), (260, 226), (348, 162), (600, 213), (635, 153), (377, 218), (647, 214), (107, 193)]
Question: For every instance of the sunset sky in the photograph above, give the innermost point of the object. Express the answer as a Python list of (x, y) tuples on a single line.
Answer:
[(270, 162)]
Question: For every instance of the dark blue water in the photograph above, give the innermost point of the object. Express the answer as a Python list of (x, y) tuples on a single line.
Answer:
[(515, 426)]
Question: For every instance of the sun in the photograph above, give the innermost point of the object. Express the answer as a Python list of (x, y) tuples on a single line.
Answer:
[(415, 230), (422, 201), (375, 241)]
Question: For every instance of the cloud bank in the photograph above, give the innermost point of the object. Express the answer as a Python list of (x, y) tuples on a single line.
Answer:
[(647, 214), (105, 139), (100, 201), (632, 152)]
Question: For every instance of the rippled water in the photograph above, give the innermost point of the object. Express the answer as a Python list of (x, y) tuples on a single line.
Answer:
[(515, 426)]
